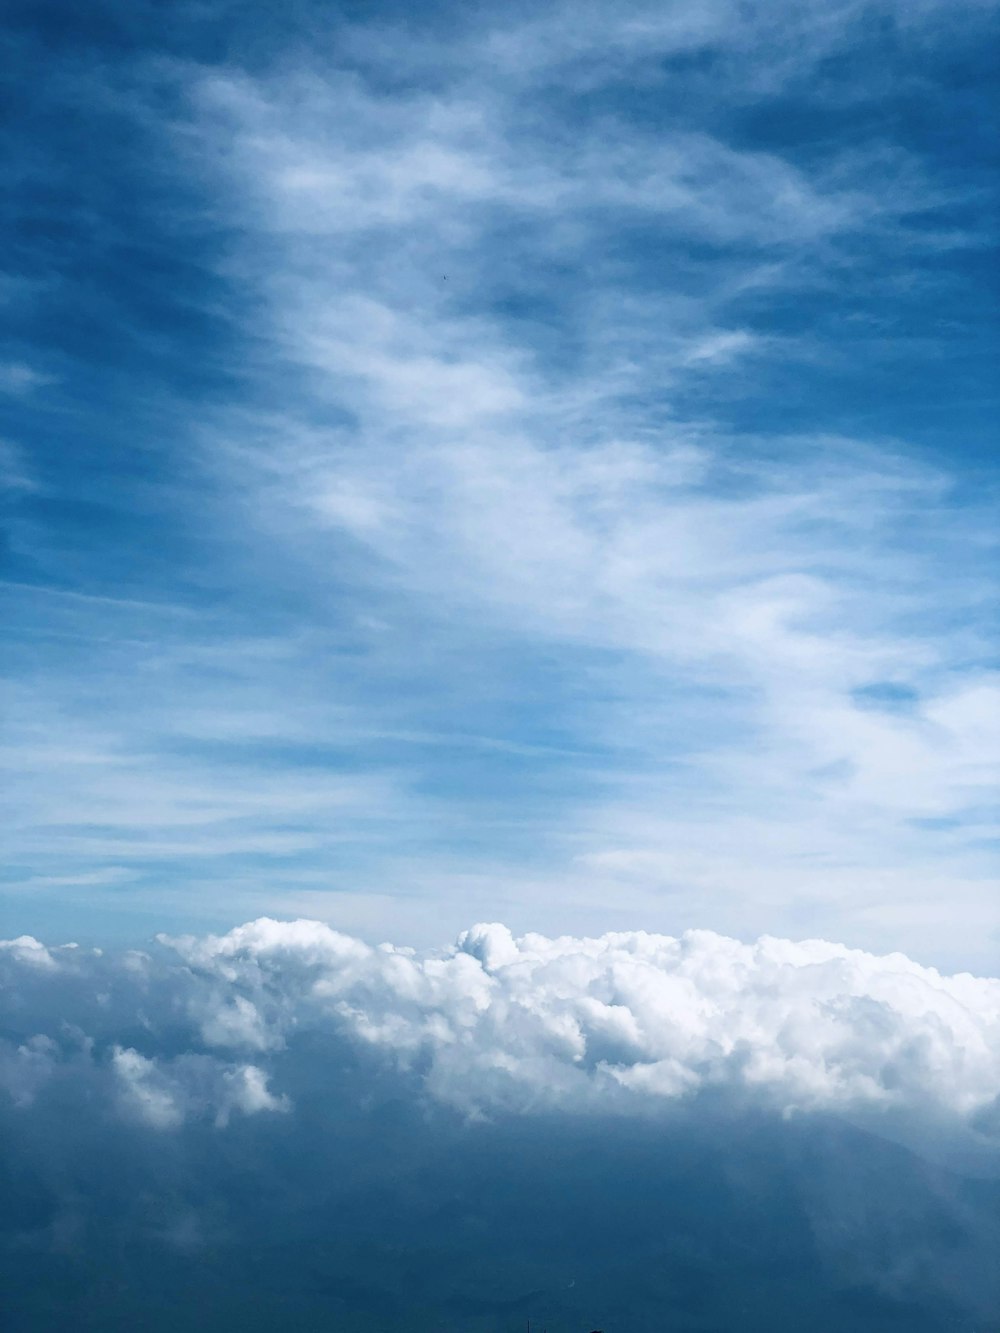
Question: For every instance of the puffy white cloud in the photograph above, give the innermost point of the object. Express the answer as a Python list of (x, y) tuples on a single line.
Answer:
[(164, 1094), (146, 1090), (26, 949), (618, 1024), (506, 1115)]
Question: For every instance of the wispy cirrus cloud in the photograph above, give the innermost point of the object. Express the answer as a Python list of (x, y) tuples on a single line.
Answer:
[(557, 535), (752, 589)]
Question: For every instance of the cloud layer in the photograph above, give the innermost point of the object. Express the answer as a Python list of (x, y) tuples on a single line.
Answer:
[(617, 1024), (284, 1125)]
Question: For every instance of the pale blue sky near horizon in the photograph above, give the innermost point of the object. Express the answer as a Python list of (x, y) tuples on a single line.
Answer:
[(502, 463)]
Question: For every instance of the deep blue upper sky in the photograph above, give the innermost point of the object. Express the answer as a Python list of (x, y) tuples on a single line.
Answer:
[(460, 462)]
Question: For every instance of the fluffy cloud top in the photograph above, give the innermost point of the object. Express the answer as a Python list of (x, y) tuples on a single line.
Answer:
[(283, 1126), (616, 1024)]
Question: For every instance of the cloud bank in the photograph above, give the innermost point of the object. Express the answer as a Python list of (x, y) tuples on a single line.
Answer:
[(284, 1125), (611, 1025)]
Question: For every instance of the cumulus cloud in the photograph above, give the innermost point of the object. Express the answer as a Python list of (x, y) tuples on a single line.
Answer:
[(617, 1024), (285, 1124), (162, 1095), (625, 1020)]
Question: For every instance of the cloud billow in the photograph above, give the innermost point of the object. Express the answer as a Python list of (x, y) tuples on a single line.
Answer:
[(310, 1129)]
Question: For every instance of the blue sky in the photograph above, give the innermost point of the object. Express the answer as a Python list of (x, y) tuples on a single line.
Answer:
[(488, 462)]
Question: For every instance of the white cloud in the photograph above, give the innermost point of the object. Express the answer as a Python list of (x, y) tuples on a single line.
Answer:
[(164, 1093), (618, 1024), (18, 379), (26, 949), (146, 1090)]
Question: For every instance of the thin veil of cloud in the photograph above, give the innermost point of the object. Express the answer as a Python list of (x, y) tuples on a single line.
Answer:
[(526, 514)]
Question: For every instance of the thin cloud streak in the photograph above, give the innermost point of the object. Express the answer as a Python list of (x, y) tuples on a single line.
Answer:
[(475, 484), (489, 471)]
